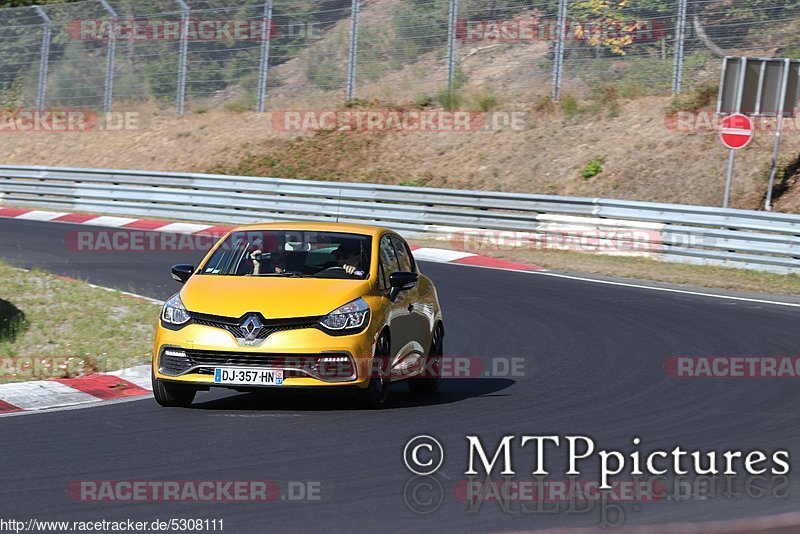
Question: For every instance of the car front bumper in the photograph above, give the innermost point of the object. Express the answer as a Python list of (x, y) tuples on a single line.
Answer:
[(292, 351)]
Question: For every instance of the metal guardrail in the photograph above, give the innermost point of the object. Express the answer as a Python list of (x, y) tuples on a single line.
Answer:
[(473, 219)]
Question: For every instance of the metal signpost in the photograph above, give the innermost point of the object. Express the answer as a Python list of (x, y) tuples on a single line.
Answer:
[(736, 133)]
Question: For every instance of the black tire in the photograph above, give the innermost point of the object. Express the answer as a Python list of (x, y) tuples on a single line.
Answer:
[(429, 383), (172, 395), (374, 396)]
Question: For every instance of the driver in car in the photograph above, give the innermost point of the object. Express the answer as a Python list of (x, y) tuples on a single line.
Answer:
[(348, 256)]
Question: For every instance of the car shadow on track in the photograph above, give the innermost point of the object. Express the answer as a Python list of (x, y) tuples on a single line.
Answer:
[(450, 391)]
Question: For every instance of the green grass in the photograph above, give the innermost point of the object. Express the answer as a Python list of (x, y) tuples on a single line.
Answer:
[(593, 168), (416, 182), (237, 106), (70, 327), (570, 106), (700, 97), (324, 155), (484, 102)]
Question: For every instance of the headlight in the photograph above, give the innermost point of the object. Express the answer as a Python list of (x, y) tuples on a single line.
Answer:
[(174, 311), (351, 316)]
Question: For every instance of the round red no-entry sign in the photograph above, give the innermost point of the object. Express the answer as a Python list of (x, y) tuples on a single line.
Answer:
[(737, 131)]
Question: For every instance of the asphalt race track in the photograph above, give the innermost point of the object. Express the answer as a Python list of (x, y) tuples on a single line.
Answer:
[(593, 365)]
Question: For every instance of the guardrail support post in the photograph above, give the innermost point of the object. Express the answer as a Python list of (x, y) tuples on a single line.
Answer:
[(41, 87), (558, 59), (112, 45), (263, 67), (451, 45), (680, 39), (353, 54), (184, 50)]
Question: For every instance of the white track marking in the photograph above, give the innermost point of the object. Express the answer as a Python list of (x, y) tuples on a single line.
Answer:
[(439, 255), (96, 404), (43, 394), (139, 375), (667, 289), (183, 228), (636, 286), (41, 215), (107, 220)]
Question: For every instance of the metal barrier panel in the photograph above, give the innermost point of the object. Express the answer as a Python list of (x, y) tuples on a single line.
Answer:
[(690, 234)]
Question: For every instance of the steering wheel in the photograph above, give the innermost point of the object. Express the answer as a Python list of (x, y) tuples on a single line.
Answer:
[(332, 268)]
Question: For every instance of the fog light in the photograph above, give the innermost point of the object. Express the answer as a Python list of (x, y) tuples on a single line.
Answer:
[(333, 367)]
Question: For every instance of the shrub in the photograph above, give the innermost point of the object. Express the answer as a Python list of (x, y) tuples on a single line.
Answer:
[(485, 101), (593, 168)]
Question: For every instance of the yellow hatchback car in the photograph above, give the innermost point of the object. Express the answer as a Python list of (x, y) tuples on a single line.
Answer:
[(295, 305)]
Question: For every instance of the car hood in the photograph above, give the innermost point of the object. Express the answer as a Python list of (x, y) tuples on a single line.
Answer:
[(273, 297)]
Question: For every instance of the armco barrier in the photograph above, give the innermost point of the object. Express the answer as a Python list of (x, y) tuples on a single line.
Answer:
[(689, 234)]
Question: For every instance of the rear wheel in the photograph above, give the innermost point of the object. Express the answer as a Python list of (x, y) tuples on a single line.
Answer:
[(374, 396), (432, 375), (172, 395)]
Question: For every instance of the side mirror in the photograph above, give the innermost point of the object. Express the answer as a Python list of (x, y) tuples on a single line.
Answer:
[(401, 281), (182, 272)]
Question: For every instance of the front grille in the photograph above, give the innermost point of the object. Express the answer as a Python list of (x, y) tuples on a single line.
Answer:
[(270, 326), (203, 362)]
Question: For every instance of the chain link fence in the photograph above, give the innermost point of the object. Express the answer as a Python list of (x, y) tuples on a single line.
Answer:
[(275, 54)]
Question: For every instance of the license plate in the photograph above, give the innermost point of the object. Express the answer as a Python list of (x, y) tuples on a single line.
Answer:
[(248, 376)]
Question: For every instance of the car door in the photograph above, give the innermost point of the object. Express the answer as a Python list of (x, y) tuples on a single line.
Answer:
[(421, 320), (398, 313)]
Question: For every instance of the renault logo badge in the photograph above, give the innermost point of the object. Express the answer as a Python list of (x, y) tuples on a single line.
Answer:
[(251, 327)]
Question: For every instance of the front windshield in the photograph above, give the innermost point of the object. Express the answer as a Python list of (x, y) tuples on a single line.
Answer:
[(291, 253)]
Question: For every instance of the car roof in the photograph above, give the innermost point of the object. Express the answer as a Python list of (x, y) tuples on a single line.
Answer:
[(364, 229)]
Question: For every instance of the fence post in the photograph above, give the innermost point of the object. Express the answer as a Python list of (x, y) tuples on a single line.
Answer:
[(451, 45), (680, 39), (184, 49), (561, 35), (266, 36), (351, 65), (112, 46), (45, 58)]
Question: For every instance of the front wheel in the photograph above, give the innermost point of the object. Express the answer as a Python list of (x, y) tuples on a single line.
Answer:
[(432, 373), (172, 395), (374, 396)]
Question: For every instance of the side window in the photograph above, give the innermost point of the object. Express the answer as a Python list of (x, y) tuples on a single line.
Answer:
[(389, 263), (403, 254)]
